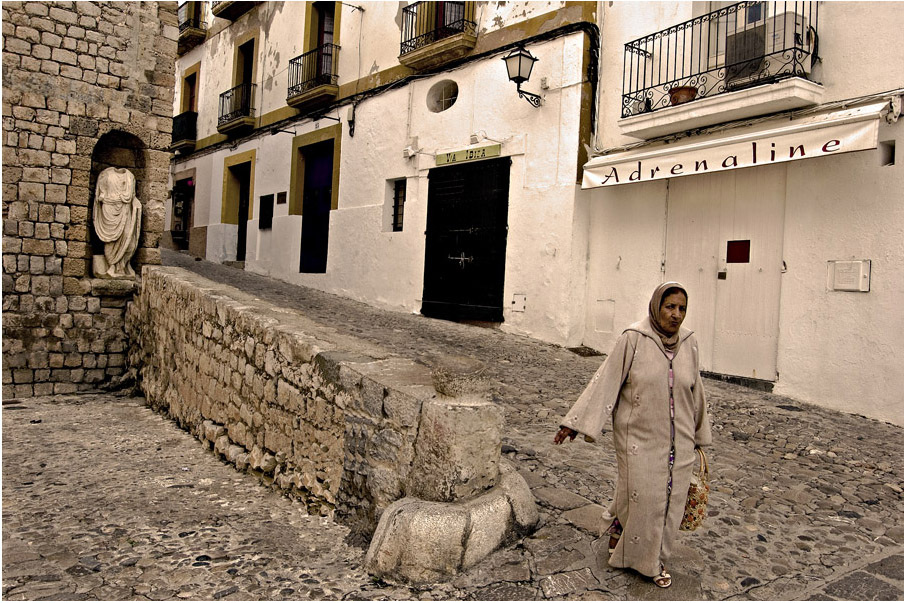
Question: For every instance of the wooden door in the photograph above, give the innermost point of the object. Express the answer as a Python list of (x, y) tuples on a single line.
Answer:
[(465, 244)]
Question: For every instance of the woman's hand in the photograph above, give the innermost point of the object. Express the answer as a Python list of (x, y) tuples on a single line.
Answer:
[(565, 432)]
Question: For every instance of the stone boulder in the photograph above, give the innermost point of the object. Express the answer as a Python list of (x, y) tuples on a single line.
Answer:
[(421, 542)]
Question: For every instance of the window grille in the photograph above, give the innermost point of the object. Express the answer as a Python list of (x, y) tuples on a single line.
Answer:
[(399, 200)]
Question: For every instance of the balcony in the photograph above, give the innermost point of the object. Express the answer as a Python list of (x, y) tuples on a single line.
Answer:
[(191, 26), (312, 76), (237, 109), (744, 60), (434, 33), (231, 10), (184, 131)]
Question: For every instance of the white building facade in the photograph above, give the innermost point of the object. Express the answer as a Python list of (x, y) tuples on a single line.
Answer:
[(775, 195), (377, 151)]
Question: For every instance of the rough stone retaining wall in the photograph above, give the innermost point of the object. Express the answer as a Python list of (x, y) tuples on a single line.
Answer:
[(85, 85), (326, 418)]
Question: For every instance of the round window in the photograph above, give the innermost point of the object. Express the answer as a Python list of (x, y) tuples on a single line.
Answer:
[(442, 95)]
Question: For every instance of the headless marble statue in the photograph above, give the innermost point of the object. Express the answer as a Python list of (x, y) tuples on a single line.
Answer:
[(117, 222)]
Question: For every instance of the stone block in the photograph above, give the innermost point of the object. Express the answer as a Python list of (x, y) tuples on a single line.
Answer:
[(66, 57), (422, 542), (145, 255), (38, 247), (45, 212), (114, 287), (63, 16), (43, 389), (588, 518), (31, 191), (417, 541), (561, 499), (457, 450), (40, 174), (17, 46), (55, 193)]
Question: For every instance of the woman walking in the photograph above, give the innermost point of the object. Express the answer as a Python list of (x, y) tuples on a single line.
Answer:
[(651, 388)]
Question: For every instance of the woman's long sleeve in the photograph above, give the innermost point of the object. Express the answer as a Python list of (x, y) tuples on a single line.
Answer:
[(702, 421), (595, 405)]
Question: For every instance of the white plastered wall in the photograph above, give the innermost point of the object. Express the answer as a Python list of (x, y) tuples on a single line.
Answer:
[(843, 349), (367, 262), (626, 242), (839, 350)]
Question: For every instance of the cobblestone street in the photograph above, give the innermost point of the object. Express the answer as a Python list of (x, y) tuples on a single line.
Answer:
[(104, 499)]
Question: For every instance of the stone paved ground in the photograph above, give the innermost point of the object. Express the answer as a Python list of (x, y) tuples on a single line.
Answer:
[(807, 503)]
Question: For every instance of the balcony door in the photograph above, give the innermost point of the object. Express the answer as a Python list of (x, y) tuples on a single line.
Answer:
[(324, 40), (191, 93)]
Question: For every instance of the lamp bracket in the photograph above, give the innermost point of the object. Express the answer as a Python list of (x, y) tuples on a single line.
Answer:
[(533, 99)]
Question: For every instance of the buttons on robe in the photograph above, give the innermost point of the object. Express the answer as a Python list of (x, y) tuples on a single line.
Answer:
[(634, 449), (636, 400), (634, 497)]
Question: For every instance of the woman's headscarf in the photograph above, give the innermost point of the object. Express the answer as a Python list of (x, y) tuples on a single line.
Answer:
[(654, 309)]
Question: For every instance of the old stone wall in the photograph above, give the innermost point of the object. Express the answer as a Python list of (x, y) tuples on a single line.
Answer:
[(86, 85), (325, 418)]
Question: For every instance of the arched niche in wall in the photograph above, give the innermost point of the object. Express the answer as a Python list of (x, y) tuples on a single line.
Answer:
[(120, 150)]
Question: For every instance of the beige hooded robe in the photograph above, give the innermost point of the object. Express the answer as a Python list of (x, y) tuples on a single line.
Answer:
[(631, 389)]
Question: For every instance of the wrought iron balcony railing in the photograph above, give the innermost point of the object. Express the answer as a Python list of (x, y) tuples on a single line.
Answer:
[(315, 68), (185, 126), (427, 22), (190, 23), (236, 103), (738, 46)]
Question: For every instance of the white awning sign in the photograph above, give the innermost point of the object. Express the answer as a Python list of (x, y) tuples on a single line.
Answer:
[(829, 134)]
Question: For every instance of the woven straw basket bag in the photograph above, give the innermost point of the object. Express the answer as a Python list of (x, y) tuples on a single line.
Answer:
[(697, 499)]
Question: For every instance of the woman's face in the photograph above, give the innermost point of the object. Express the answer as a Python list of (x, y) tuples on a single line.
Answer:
[(672, 312)]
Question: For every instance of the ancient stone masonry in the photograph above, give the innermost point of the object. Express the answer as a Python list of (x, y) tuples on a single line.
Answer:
[(325, 418), (86, 86), (331, 420)]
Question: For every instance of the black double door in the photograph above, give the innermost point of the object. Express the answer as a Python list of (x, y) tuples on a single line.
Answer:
[(465, 241)]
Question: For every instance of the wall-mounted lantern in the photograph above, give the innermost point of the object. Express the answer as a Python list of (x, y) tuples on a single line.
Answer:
[(519, 63)]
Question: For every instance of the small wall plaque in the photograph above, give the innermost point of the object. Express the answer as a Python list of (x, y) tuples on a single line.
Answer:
[(849, 275)]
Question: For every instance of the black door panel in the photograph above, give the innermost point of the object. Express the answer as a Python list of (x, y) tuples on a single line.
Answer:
[(465, 245)]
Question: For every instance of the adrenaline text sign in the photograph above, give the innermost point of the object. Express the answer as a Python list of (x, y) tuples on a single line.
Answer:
[(805, 141)]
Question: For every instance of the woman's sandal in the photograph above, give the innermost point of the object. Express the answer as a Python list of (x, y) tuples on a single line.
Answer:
[(663, 580), (612, 544)]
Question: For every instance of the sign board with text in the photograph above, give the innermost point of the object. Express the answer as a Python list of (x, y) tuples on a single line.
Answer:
[(468, 155)]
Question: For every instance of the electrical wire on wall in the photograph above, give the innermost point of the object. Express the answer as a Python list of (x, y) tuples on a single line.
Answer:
[(590, 29)]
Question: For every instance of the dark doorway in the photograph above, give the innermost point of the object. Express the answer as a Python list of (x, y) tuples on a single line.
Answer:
[(183, 197), (317, 193), (191, 98), (465, 242), (246, 62), (241, 175)]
